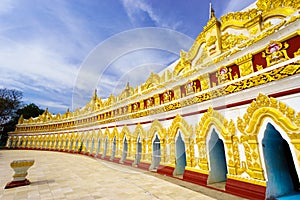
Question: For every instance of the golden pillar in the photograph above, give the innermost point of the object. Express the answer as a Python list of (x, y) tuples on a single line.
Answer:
[(163, 150), (149, 153), (134, 149), (144, 146), (172, 152)]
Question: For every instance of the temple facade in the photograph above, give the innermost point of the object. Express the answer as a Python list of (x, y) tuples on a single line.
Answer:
[(227, 113)]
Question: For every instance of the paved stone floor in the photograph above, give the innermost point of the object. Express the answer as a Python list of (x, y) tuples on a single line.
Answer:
[(58, 175)]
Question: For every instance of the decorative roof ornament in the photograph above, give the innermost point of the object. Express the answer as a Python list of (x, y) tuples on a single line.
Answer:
[(211, 11), (95, 95)]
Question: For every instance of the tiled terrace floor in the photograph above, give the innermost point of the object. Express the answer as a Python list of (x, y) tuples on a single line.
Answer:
[(58, 175)]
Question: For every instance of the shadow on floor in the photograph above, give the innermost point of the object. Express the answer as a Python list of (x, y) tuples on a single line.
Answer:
[(42, 182)]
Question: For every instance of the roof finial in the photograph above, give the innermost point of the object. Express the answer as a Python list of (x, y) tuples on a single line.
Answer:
[(95, 94), (211, 10), (127, 86)]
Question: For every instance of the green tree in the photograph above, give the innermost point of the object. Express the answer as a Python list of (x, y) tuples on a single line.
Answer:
[(30, 110), (10, 102)]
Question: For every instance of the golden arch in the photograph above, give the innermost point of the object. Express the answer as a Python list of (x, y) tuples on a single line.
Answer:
[(156, 126), (139, 130), (106, 133), (214, 118), (276, 115), (259, 110), (125, 132), (93, 134), (227, 131), (99, 134), (114, 133), (153, 80), (179, 123), (265, 107)]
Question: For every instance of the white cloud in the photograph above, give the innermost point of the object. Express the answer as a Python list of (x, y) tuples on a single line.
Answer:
[(237, 5), (35, 62), (110, 66), (53, 104), (6, 6), (40, 60), (136, 9)]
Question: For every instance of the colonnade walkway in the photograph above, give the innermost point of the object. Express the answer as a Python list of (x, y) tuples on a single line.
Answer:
[(56, 175)]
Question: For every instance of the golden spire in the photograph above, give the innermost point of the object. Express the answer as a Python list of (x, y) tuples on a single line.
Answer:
[(95, 94), (211, 11), (127, 86)]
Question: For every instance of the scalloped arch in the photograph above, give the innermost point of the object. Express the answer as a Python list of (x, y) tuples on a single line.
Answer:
[(214, 118), (261, 114), (114, 133), (264, 107), (156, 126), (99, 133), (179, 123), (125, 132), (106, 133), (139, 130)]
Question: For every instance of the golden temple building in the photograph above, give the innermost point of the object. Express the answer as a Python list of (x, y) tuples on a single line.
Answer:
[(228, 111)]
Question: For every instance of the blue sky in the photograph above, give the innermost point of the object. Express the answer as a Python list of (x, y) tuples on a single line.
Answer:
[(45, 44)]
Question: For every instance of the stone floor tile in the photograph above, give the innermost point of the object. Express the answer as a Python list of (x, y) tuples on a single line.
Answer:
[(58, 175)]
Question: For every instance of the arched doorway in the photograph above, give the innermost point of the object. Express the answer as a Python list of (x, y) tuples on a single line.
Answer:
[(113, 152), (98, 147), (180, 155), (76, 145), (21, 142), (66, 146), (61, 144), (87, 145), (26, 142), (280, 166), (217, 159), (92, 147), (71, 144), (105, 147), (125, 149), (155, 153), (138, 154)]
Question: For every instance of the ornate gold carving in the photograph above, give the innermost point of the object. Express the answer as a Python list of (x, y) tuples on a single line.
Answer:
[(127, 92), (297, 53), (139, 131), (183, 65), (211, 44), (224, 75), (259, 67), (125, 132), (265, 107), (249, 126), (238, 19), (153, 80), (267, 25), (179, 123), (276, 53), (277, 8), (245, 64), (172, 106), (156, 127), (230, 40), (191, 54), (226, 129)]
